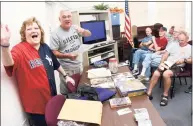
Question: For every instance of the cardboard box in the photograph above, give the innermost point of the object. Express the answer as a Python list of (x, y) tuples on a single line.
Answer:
[(81, 111)]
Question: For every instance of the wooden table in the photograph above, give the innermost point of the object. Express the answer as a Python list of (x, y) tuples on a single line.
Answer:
[(110, 116)]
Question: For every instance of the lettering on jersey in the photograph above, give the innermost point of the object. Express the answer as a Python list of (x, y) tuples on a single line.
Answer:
[(70, 39), (72, 49), (35, 63), (49, 60)]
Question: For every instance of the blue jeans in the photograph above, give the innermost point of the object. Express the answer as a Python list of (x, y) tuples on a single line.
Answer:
[(139, 56), (131, 56), (151, 60)]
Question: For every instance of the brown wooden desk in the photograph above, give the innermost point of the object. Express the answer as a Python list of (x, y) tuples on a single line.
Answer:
[(110, 116)]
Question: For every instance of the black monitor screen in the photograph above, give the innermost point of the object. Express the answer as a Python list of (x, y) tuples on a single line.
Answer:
[(98, 30)]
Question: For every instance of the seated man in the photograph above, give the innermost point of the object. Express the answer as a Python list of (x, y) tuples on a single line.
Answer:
[(158, 44), (153, 60), (145, 43), (180, 53)]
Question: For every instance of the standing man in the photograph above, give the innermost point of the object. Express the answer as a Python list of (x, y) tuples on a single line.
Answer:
[(64, 42)]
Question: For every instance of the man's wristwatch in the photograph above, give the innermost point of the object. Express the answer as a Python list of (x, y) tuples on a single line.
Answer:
[(65, 76)]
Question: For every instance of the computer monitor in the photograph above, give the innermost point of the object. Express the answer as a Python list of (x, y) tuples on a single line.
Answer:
[(98, 30)]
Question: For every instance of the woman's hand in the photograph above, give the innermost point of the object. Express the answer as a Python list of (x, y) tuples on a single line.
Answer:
[(5, 35)]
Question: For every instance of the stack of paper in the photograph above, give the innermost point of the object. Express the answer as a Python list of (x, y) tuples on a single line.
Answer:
[(70, 123), (142, 117), (122, 75), (99, 73), (102, 82), (104, 85), (84, 48), (96, 81)]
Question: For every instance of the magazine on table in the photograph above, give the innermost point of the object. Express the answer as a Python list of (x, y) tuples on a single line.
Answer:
[(127, 86), (95, 81), (122, 75), (102, 82), (119, 102)]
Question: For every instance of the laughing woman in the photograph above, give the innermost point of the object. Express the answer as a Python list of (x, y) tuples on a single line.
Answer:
[(33, 64)]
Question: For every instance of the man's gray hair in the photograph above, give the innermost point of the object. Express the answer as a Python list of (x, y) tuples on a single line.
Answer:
[(63, 10), (185, 34)]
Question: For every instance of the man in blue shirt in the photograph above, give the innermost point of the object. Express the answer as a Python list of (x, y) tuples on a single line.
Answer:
[(140, 53)]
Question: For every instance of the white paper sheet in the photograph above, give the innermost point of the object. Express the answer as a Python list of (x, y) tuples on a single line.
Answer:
[(124, 111), (98, 73), (84, 48)]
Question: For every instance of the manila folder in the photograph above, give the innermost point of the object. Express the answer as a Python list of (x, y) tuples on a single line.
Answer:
[(81, 111)]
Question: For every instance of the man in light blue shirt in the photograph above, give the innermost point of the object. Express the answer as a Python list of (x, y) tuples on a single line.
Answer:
[(140, 53)]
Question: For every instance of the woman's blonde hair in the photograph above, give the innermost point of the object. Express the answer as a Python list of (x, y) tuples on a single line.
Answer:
[(30, 21)]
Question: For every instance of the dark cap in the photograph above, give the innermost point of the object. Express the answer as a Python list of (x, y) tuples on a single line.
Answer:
[(163, 29), (172, 27)]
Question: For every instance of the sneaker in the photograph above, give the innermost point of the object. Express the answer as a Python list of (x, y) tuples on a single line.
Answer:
[(189, 90), (143, 78), (135, 72)]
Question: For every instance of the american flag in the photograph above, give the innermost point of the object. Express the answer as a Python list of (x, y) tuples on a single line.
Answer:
[(128, 24)]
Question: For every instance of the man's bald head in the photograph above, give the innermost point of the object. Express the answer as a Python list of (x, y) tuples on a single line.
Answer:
[(183, 38), (148, 31), (65, 19), (65, 11)]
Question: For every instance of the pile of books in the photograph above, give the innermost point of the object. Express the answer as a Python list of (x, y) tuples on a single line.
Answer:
[(142, 117), (102, 82), (128, 87), (100, 77), (119, 102), (122, 75)]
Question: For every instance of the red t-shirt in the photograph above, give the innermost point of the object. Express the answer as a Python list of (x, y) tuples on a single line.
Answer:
[(34, 91), (161, 42)]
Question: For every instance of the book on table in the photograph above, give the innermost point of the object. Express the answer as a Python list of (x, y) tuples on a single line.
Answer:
[(102, 82), (128, 87), (122, 75), (119, 102), (99, 73)]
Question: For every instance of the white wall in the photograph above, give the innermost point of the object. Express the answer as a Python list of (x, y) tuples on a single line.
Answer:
[(146, 13), (14, 14)]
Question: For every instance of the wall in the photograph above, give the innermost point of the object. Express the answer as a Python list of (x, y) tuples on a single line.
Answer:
[(14, 14), (145, 13)]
